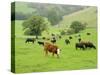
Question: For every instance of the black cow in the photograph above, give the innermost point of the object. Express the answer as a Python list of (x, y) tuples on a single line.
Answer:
[(60, 37), (80, 45), (79, 39), (30, 40), (43, 38), (52, 34), (90, 45), (79, 35), (53, 40), (88, 33), (67, 41), (40, 43), (70, 37)]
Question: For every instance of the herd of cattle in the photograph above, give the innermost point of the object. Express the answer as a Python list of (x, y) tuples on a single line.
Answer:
[(54, 49)]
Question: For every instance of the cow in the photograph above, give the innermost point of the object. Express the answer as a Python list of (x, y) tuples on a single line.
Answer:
[(53, 40), (60, 36), (88, 44), (88, 33), (48, 47), (40, 43), (79, 35), (43, 38), (52, 34), (30, 40), (70, 37), (79, 39), (67, 41), (80, 45)]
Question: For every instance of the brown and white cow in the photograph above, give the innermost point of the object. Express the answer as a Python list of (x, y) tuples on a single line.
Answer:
[(48, 47)]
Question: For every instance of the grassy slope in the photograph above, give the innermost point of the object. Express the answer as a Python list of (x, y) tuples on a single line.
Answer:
[(23, 8), (88, 15), (30, 57)]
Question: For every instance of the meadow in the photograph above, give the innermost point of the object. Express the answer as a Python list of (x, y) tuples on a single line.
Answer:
[(31, 58)]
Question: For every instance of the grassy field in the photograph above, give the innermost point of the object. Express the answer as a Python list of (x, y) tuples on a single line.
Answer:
[(31, 58)]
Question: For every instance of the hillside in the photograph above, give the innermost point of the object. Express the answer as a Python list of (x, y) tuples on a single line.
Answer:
[(87, 15), (22, 7), (54, 12)]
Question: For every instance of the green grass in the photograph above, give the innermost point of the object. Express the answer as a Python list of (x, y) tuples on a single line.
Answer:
[(31, 58)]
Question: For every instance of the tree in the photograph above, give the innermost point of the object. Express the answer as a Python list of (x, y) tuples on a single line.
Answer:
[(54, 16), (77, 26), (35, 25)]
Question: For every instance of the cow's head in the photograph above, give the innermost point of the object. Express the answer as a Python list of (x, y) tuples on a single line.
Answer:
[(58, 51)]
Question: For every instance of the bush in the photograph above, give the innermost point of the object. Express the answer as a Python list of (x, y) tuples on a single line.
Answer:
[(77, 26)]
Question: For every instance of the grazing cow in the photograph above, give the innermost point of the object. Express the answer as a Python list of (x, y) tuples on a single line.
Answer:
[(80, 45), (70, 37), (40, 43), (79, 39), (30, 40), (52, 34), (43, 38), (48, 47), (60, 37), (53, 40), (79, 35), (90, 45), (67, 41), (88, 33)]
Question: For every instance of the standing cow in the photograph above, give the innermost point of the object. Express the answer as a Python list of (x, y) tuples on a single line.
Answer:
[(48, 47), (30, 40), (67, 41), (70, 37), (80, 45), (53, 40)]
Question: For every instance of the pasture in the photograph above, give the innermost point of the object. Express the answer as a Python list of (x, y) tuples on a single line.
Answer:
[(30, 57)]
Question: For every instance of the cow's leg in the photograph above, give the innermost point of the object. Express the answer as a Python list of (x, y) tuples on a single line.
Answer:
[(46, 52), (26, 41), (58, 52), (57, 55), (76, 48), (53, 54)]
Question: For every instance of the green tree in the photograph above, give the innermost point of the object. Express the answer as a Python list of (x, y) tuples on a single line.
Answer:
[(35, 25), (77, 26), (54, 16)]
